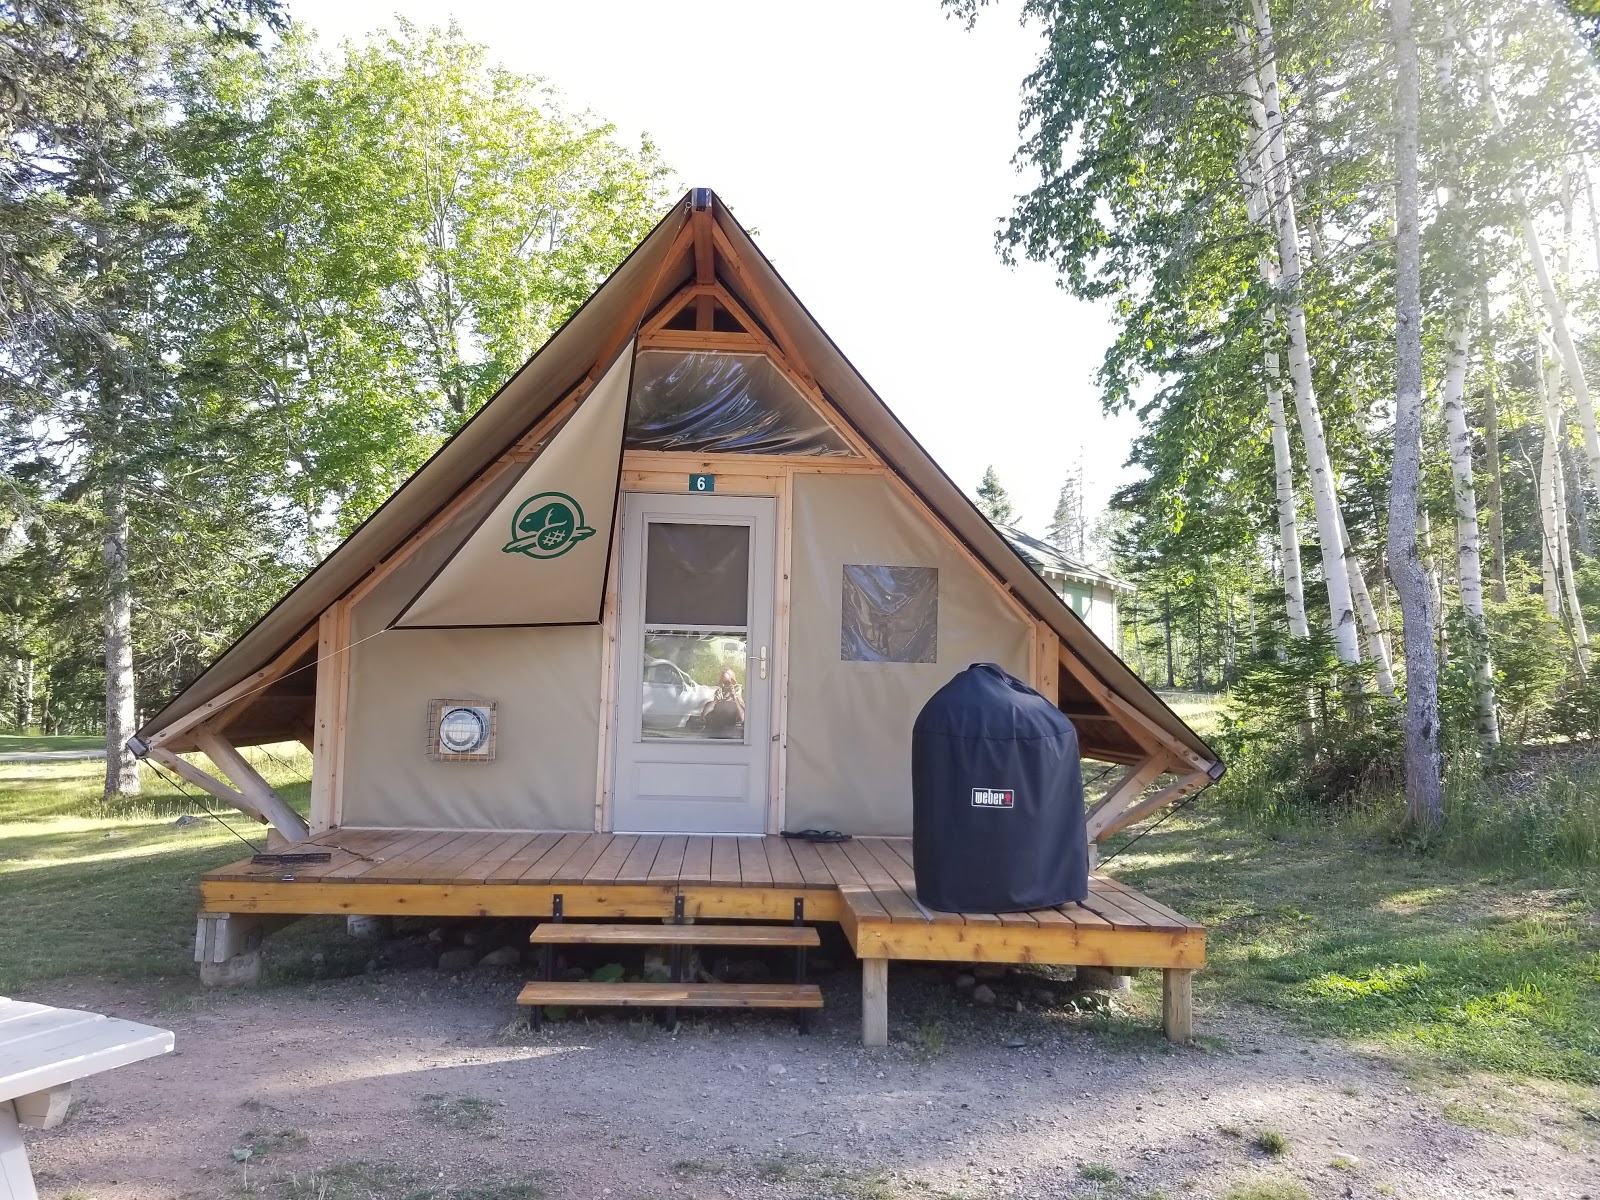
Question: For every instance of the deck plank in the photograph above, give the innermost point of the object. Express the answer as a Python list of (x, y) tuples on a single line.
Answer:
[(1148, 901), (1105, 903), (784, 870), (636, 867), (902, 847), (678, 995), (668, 864), (812, 869), (409, 866), (900, 871), (607, 866), (753, 868), (890, 894), (505, 852), (519, 864), (358, 867), (697, 860), (1079, 915), (725, 862), (399, 865), (464, 853), (585, 856), (552, 860), (848, 880)]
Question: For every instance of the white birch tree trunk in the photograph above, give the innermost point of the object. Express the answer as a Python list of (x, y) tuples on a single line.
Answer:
[(122, 769), (1554, 307), (1558, 543), (1569, 582), (1548, 377), (1371, 627), (1424, 787), (1266, 112), (1469, 552), (1294, 599)]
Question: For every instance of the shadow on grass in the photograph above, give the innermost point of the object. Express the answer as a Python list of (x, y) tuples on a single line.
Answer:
[(1361, 939)]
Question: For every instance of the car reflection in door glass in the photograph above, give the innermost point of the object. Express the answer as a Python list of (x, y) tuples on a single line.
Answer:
[(693, 686)]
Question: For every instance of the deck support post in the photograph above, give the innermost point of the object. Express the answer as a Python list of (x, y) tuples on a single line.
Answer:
[(228, 946), (874, 1001), (1177, 1004)]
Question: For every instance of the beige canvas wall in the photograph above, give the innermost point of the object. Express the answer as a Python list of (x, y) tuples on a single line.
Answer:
[(546, 684), (849, 746), (572, 482)]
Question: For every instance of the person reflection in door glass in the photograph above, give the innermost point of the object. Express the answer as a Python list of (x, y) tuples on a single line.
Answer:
[(723, 714)]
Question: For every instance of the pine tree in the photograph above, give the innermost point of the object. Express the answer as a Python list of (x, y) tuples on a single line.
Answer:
[(1068, 529), (993, 500)]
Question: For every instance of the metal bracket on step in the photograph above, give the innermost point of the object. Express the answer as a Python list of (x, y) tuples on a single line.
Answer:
[(547, 961), (803, 1020), (669, 1016)]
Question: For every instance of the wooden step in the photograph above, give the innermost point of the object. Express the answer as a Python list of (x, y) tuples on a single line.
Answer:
[(679, 995), (789, 936)]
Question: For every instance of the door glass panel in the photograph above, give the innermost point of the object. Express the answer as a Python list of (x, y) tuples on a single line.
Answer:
[(697, 575), (693, 685)]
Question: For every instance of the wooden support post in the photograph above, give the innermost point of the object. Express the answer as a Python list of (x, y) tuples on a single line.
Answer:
[(1177, 1004), (256, 789), (228, 946), (16, 1177), (874, 1001), (1123, 797), (184, 769), (1135, 813), (46, 1109)]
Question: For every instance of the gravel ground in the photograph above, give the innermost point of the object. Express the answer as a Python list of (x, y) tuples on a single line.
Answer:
[(408, 1084)]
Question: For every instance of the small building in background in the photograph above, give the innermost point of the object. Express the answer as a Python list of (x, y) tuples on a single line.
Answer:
[(1088, 591)]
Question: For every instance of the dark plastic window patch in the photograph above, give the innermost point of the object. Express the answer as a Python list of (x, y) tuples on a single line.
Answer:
[(891, 614)]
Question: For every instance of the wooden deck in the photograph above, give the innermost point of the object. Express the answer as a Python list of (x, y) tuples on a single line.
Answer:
[(866, 885)]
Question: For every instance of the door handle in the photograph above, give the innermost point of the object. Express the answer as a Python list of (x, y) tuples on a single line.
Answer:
[(762, 672)]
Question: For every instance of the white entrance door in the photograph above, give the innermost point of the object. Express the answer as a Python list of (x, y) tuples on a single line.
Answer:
[(694, 664)]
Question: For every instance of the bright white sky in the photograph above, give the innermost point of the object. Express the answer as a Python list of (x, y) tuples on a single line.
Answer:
[(869, 146)]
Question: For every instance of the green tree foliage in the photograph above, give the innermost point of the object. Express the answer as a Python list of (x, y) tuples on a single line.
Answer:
[(994, 501), (1137, 142), (397, 229), (245, 292)]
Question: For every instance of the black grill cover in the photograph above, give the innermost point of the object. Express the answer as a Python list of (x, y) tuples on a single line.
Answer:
[(997, 798)]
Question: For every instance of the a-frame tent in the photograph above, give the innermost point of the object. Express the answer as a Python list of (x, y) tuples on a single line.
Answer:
[(697, 283), (684, 577)]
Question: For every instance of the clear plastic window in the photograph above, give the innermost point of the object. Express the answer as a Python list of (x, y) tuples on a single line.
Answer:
[(735, 403), (890, 614)]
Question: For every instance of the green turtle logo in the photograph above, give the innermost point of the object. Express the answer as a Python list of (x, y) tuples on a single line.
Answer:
[(547, 526)]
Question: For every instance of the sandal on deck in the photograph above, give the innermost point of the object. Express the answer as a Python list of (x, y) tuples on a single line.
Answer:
[(818, 835)]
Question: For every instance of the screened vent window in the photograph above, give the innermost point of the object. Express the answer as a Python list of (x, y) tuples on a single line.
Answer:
[(735, 403), (891, 614)]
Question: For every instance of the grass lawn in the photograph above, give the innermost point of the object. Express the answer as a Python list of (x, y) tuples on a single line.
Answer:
[(91, 890), (1441, 966), (20, 743)]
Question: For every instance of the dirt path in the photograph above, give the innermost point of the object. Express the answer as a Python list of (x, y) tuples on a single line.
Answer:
[(408, 1075)]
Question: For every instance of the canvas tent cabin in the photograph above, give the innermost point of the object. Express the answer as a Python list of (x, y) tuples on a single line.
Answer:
[(1088, 591), (682, 583)]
